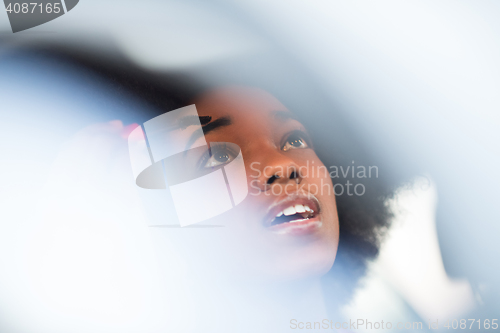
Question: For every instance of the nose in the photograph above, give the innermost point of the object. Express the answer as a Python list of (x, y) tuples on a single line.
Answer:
[(278, 170), (276, 178)]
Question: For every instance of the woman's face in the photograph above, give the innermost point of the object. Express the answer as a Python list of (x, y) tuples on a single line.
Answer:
[(287, 227)]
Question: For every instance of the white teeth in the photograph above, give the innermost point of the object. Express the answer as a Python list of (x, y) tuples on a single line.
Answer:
[(289, 211), (292, 210), (300, 209), (299, 220)]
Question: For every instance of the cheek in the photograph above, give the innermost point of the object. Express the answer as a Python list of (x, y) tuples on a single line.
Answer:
[(318, 182), (316, 177)]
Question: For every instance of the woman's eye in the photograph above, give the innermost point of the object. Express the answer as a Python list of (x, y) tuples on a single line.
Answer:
[(218, 157), (294, 141)]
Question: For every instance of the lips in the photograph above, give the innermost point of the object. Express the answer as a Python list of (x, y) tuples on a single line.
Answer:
[(295, 214)]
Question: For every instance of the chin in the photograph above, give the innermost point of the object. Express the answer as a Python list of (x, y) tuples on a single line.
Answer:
[(313, 265), (299, 264)]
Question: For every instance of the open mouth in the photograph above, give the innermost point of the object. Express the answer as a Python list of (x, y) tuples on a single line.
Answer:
[(295, 214)]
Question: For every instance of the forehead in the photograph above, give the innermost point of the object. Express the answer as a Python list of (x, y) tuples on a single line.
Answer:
[(238, 102)]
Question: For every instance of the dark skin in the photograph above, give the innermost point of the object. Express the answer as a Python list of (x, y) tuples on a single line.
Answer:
[(279, 159)]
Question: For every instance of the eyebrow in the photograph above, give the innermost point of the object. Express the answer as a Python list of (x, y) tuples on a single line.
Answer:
[(284, 115), (208, 127)]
